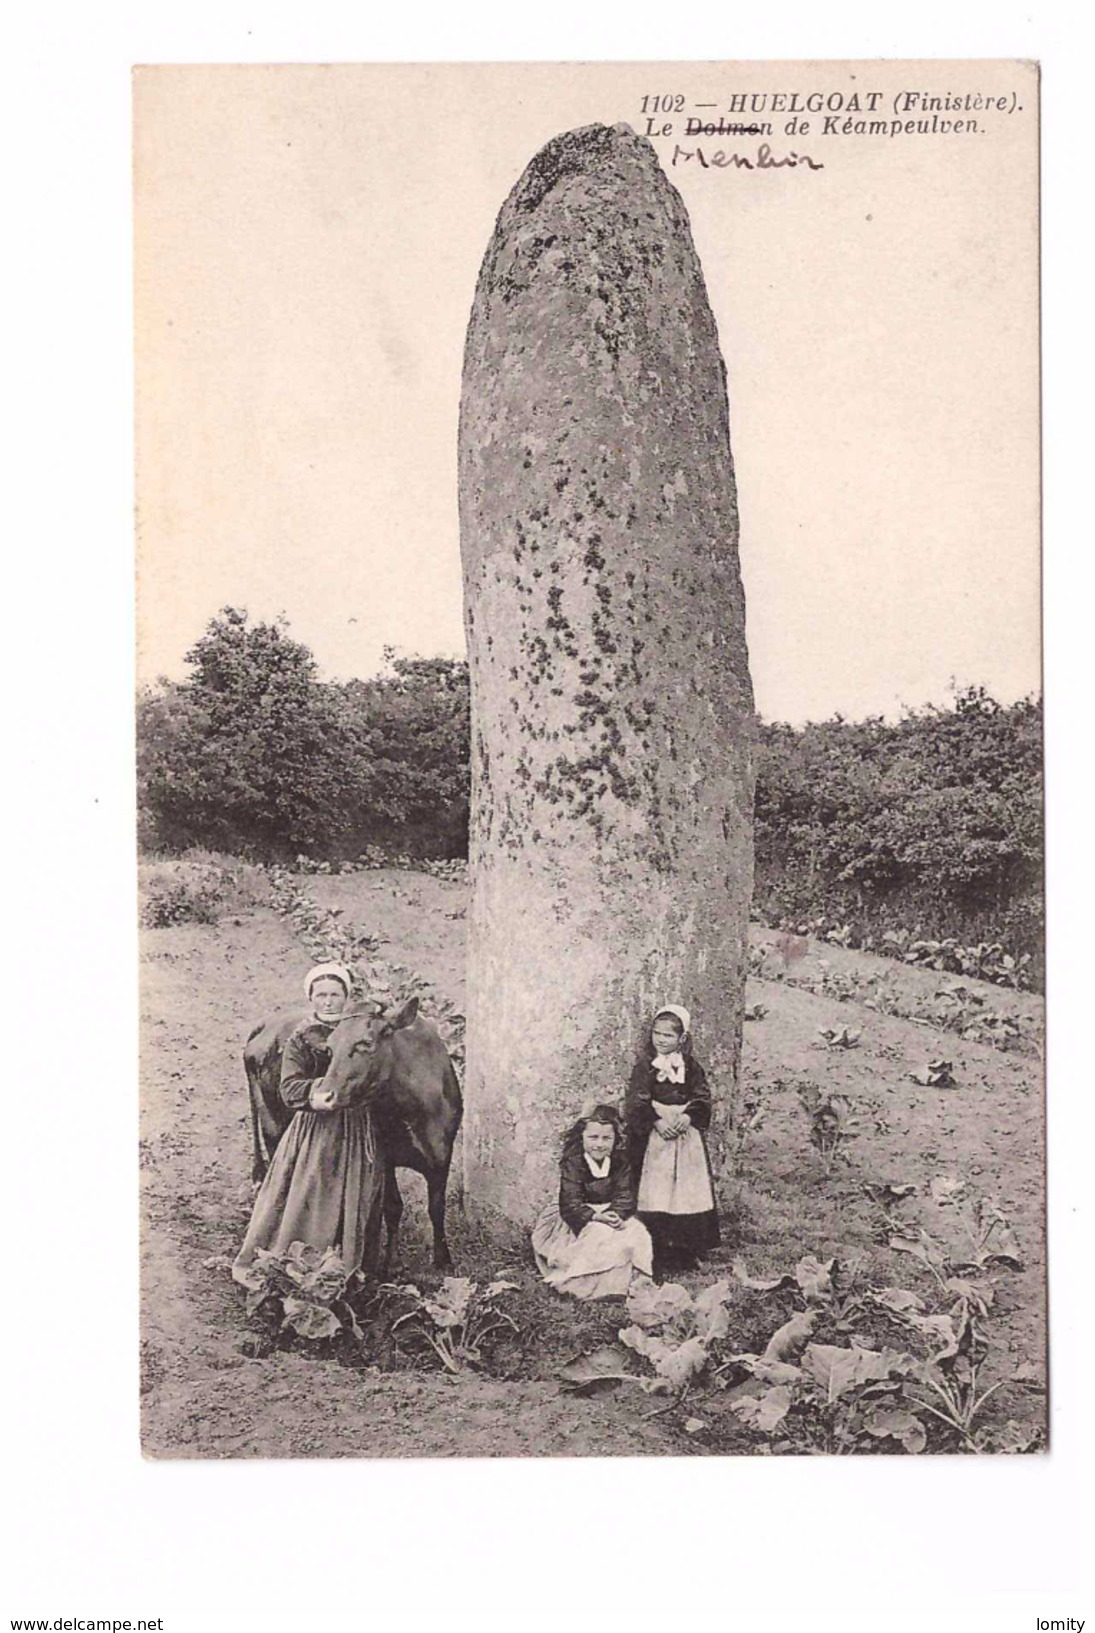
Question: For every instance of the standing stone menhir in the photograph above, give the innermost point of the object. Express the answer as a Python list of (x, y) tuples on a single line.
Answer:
[(612, 774)]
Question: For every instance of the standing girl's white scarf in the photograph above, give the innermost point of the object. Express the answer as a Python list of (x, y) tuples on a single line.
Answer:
[(670, 1068)]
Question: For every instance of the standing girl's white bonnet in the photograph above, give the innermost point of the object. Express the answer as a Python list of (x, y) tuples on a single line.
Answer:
[(679, 1011)]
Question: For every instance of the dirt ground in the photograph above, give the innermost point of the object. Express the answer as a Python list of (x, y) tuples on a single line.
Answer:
[(212, 1389)]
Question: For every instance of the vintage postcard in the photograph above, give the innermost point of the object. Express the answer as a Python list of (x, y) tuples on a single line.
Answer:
[(590, 760)]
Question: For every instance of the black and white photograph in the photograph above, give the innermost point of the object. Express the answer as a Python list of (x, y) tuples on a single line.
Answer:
[(589, 760)]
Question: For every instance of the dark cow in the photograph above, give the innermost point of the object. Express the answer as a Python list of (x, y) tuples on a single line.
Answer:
[(395, 1058)]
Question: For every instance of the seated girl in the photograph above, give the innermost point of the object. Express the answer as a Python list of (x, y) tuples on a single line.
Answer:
[(668, 1110), (591, 1244)]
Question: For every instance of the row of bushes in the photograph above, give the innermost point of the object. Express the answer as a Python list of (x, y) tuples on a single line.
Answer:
[(932, 824), (254, 755)]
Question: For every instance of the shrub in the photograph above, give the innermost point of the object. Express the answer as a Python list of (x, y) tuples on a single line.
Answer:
[(453, 1323), (310, 1288), (197, 889), (932, 824), (179, 901), (253, 754)]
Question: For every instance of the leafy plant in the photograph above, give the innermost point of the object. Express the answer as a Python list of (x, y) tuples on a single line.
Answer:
[(842, 936), (454, 1322), (823, 1397), (935, 955), (675, 1331), (983, 1240), (989, 962), (180, 901), (594, 1370), (920, 1244), (986, 1231), (843, 985), (841, 1037), (937, 1074), (950, 1382), (760, 1284), (888, 1194), (962, 1010), (313, 1289), (857, 1392), (833, 1120), (846, 1397), (749, 1116)]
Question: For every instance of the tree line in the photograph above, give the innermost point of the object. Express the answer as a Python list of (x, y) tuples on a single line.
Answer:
[(255, 755), (933, 822)]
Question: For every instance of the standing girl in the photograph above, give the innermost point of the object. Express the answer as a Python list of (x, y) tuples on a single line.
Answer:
[(325, 1183), (591, 1244), (668, 1112)]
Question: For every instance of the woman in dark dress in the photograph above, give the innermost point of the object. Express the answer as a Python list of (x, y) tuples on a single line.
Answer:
[(325, 1184), (668, 1111)]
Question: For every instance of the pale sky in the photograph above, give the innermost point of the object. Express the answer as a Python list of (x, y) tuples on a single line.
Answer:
[(308, 241)]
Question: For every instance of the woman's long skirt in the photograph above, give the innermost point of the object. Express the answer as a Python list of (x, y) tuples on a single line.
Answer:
[(597, 1263), (324, 1187)]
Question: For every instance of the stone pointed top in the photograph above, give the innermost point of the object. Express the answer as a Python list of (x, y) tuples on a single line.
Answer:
[(591, 150), (593, 201)]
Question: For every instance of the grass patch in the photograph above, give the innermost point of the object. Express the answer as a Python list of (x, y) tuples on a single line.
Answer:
[(199, 887)]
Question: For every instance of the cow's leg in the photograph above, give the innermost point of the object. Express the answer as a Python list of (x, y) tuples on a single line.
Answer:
[(258, 1161), (393, 1213), (436, 1181)]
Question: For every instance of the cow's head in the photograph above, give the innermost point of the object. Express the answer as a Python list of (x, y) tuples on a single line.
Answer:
[(358, 1058)]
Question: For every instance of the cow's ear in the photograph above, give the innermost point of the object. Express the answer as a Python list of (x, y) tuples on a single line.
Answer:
[(404, 1016)]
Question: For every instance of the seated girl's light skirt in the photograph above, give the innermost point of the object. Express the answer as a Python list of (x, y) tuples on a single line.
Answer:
[(597, 1263), (676, 1196)]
